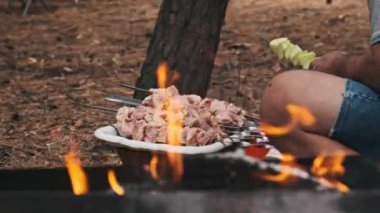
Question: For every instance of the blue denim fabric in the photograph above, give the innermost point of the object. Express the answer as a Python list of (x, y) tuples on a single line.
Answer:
[(374, 13), (358, 122)]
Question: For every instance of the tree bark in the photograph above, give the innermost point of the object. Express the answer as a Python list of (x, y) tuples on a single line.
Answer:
[(186, 37)]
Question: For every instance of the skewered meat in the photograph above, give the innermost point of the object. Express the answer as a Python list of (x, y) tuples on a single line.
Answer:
[(200, 118)]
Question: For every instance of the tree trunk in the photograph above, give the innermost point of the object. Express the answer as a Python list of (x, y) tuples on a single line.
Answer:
[(186, 37)]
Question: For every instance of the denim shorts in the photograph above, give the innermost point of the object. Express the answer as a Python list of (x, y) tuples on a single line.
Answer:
[(358, 122)]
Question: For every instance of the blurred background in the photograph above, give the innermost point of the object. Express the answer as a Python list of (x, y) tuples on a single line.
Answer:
[(77, 52)]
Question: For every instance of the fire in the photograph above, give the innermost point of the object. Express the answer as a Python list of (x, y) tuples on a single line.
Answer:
[(335, 184), (77, 175), (329, 168), (284, 176), (340, 186), (298, 115), (175, 125), (162, 73), (326, 168), (116, 187), (153, 167), (164, 78), (175, 117)]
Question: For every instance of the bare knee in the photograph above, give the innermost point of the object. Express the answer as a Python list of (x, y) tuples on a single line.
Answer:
[(276, 97), (320, 93)]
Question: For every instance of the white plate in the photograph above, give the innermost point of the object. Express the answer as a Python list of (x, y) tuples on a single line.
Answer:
[(109, 134)]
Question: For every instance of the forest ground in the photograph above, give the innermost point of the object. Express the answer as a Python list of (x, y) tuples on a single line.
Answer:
[(78, 53)]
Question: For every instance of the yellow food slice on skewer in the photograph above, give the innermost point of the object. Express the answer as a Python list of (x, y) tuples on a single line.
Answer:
[(283, 48)]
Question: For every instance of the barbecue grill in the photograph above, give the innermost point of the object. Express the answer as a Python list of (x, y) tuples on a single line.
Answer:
[(208, 185)]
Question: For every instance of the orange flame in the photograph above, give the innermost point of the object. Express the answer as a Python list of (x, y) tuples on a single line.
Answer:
[(175, 121), (330, 167), (175, 125), (162, 73), (153, 167), (284, 176), (298, 115), (340, 186), (77, 175), (334, 184), (164, 79), (115, 185)]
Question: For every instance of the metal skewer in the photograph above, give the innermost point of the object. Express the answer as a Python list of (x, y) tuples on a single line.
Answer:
[(132, 102), (247, 133), (105, 109), (124, 100), (253, 117), (122, 97), (276, 167), (239, 137), (135, 88), (263, 38)]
